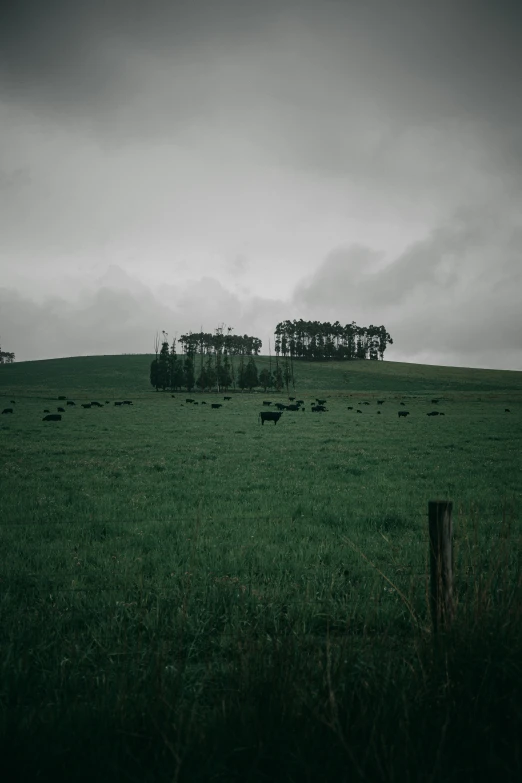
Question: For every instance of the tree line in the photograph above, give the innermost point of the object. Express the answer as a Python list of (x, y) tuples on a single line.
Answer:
[(210, 361), (315, 340)]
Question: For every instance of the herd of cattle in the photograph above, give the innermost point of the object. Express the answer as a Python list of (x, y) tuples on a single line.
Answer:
[(58, 416), (318, 406)]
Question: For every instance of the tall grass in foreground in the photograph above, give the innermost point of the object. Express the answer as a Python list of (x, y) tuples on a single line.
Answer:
[(220, 681)]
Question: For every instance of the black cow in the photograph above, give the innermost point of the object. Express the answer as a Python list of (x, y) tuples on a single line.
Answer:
[(70, 402), (46, 411), (318, 408), (320, 402), (378, 413), (269, 416), (358, 411), (441, 413), (434, 402), (433, 413), (300, 402), (196, 403), (402, 403), (227, 398), (107, 402), (173, 395), (52, 417), (13, 402), (292, 407), (118, 403), (366, 403), (86, 404), (126, 402), (60, 410), (97, 404), (506, 410), (280, 406), (381, 402), (7, 410), (189, 400), (403, 413), (62, 398), (217, 405), (291, 399), (267, 402), (350, 408)]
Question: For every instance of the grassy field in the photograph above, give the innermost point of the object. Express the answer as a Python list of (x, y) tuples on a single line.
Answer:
[(187, 595)]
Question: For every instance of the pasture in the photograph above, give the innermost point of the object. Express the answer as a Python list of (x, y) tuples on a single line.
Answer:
[(199, 597)]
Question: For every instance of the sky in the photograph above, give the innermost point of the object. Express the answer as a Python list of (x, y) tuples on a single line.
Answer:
[(182, 164)]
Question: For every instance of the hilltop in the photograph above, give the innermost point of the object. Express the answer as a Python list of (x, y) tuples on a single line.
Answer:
[(130, 373)]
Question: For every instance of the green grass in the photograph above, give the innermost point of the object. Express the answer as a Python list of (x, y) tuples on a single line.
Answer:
[(191, 591)]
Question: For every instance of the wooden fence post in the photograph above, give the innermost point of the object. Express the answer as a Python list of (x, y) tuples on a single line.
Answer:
[(441, 563)]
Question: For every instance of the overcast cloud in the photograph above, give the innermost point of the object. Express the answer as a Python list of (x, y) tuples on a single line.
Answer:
[(172, 165)]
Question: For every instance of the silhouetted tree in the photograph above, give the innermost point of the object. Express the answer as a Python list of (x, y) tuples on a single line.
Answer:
[(251, 379)]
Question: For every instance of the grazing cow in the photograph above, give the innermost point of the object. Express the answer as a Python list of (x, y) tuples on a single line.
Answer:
[(7, 410), (189, 400), (433, 413), (441, 413), (217, 405), (62, 398), (434, 402), (320, 402), (300, 402), (280, 406), (358, 411), (378, 413), (70, 402), (60, 410), (291, 399), (46, 411), (292, 407), (107, 402), (402, 403), (350, 408), (196, 403), (173, 395), (403, 413), (203, 402), (118, 403), (366, 403), (269, 416), (267, 402), (126, 402), (97, 404), (227, 398), (318, 409), (13, 402), (506, 410), (52, 417), (381, 402), (86, 404)]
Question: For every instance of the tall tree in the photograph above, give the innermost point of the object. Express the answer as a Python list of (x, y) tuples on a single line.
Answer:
[(251, 379), (188, 372)]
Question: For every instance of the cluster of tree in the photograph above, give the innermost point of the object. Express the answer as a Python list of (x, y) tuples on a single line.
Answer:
[(316, 340), (209, 365), (233, 345), (6, 357)]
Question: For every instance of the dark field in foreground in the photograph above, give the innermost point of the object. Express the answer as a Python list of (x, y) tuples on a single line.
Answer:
[(186, 595)]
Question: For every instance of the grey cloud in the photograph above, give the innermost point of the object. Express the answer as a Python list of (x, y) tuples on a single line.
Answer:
[(456, 293)]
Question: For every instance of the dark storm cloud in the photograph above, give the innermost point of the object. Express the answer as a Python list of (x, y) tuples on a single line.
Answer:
[(425, 60)]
